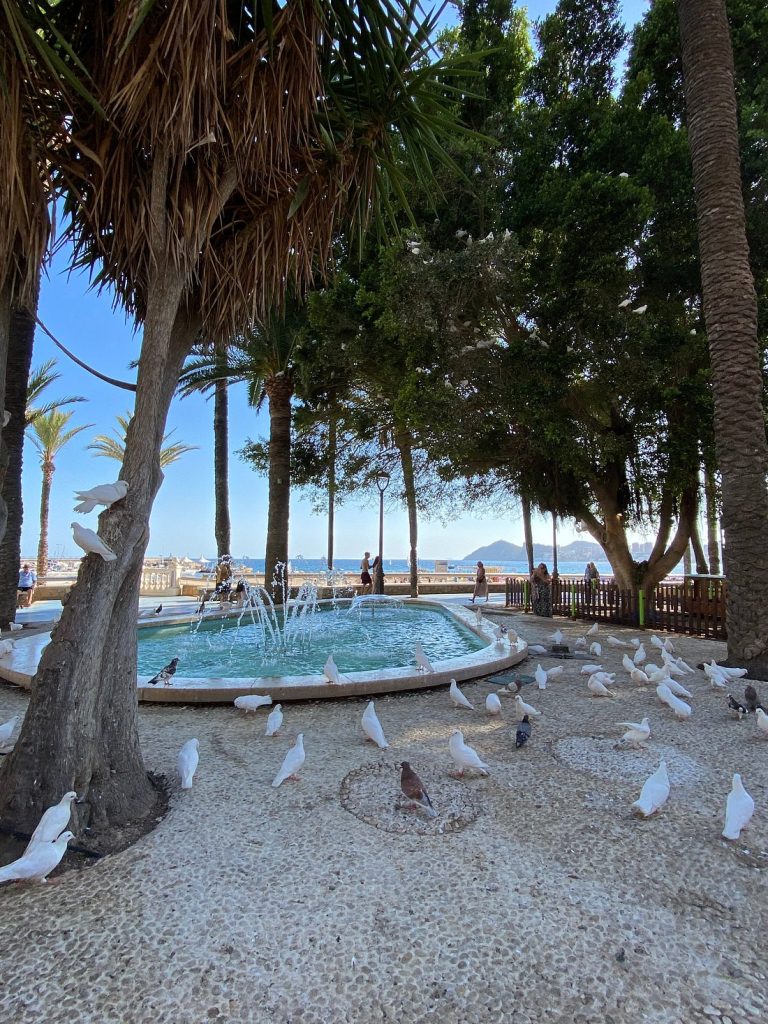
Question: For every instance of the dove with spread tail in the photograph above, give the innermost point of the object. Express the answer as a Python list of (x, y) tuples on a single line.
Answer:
[(458, 698), (372, 726), (523, 733), (102, 494), (36, 865), (493, 704), (413, 789), (524, 709), (275, 720), (292, 763), (739, 808), (425, 665), (637, 732), (252, 702), (91, 542), (464, 756), (53, 822), (188, 760), (655, 792)]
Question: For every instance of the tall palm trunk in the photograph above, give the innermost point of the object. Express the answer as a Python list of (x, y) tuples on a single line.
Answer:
[(279, 393), (403, 445), (554, 544), (730, 314), (527, 531), (5, 328), (713, 529), (223, 528), (22, 332), (45, 507), (332, 442)]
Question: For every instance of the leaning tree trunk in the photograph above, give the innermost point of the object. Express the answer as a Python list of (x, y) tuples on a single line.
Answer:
[(698, 549), (5, 327), (713, 529), (403, 445), (730, 315), (80, 731), (332, 442), (45, 508), (222, 526), (279, 393), (554, 544), (22, 332), (527, 532)]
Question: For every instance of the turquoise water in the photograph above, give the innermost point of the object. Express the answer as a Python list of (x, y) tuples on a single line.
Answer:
[(361, 640)]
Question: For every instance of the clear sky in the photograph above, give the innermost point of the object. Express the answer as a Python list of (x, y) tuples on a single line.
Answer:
[(183, 515)]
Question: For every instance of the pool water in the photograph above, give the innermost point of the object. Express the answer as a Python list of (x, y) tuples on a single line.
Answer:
[(360, 640)]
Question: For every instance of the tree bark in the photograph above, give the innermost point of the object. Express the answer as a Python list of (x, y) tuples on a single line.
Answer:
[(527, 531), (730, 315), (698, 550), (22, 332), (223, 528), (403, 445), (5, 327), (279, 393), (80, 731), (554, 544), (332, 443), (45, 507), (713, 526)]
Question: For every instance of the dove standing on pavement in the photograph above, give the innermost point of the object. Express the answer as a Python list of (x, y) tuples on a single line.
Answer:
[(680, 708), (637, 732), (372, 726), (458, 698), (595, 649), (187, 762), (654, 793), (739, 808), (165, 675), (413, 789), (739, 709), (91, 542), (52, 823), (6, 730), (252, 702), (36, 865), (598, 688), (523, 733), (275, 720), (751, 699), (536, 649), (493, 704), (524, 709), (588, 670), (464, 756), (425, 665), (102, 494), (677, 688), (7, 647), (627, 663), (554, 673), (541, 677), (638, 676), (592, 631), (556, 637), (639, 656), (762, 721), (291, 766), (613, 641)]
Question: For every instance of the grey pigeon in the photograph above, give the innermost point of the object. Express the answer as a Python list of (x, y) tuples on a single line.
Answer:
[(523, 733), (751, 698), (165, 674), (734, 705)]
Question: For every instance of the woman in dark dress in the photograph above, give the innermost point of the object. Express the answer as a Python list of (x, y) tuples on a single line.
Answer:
[(541, 587)]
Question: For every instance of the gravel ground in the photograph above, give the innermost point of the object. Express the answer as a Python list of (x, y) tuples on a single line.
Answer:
[(535, 896)]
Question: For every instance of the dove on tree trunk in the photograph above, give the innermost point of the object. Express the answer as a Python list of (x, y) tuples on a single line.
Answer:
[(654, 793), (464, 756), (53, 822), (102, 494), (187, 762), (372, 726), (292, 763), (36, 865), (91, 542), (739, 808)]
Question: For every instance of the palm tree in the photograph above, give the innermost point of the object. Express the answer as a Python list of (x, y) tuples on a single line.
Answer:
[(200, 219), (49, 435), (23, 396), (730, 313), (114, 447)]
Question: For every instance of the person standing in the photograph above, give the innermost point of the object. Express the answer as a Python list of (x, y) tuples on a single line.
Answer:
[(481, 584), (541, 586), (26, 588), (365, 573)]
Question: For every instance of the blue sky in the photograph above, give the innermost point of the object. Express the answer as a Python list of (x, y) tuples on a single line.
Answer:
[(182, 518)]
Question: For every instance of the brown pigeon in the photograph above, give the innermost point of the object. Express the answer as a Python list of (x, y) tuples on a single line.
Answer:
[(751, 699), (413, 789)]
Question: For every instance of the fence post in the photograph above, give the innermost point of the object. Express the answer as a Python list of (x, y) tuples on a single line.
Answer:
[(526, 591), (573, 600), (641, 607)]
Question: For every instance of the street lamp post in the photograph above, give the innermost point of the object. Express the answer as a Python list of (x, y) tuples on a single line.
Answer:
[(382, 482)]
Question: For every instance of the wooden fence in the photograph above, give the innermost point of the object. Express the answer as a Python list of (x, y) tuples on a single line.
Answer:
[(695, 606)]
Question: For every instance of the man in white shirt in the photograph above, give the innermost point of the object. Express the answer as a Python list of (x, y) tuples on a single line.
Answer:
[(26, 588)]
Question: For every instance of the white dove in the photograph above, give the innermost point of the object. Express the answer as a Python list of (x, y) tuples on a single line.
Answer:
[(292, 763), (91, 542), (671, 665), (493, 704), (598, 688), (668, 645), (593, 629), (731, 673), (252, 702), (657, 642), (762, 721), (638, 676), (680, 708), (595, 649), (739, 808), (640, 309), (554, 673), (187, 762), (635, 642), (625, 303), (581, 644), (685, 666), (654, 793), (678, 689), (6, 647), (655, 673), (458, 698), (637, 732), (372, 726), (103, 494), (36, 865), (525, 709), (627, 663), (614, 642), (331, 671), (53, 822), (464, 756), (275, 720), (541, 677), (6, 730), (556, 637), (512, 636), (588, 670), (639, 656), (718, 679), (537, 649), (425, 665)]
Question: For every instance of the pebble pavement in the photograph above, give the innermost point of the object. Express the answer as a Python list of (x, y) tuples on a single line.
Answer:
[(535, 896)]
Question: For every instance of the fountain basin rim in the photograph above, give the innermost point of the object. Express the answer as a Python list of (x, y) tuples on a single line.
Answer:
[(20, 666)]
